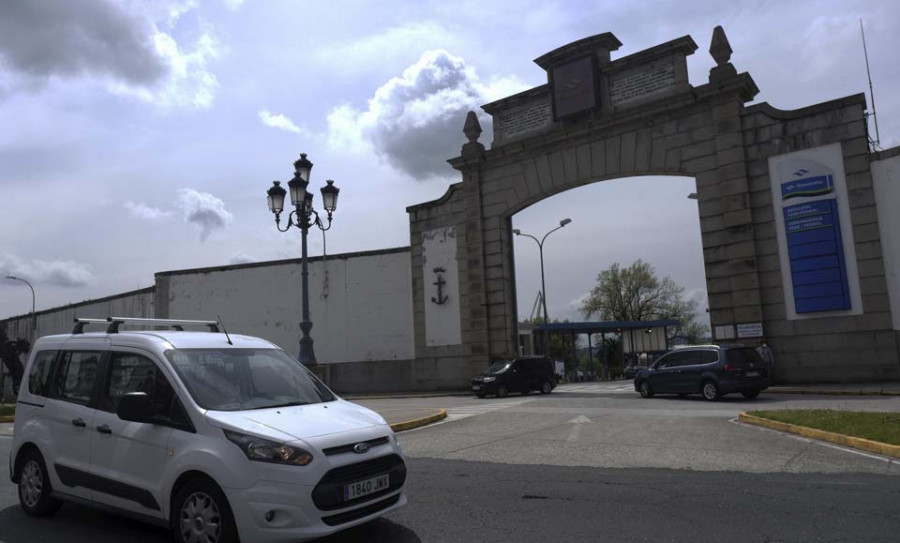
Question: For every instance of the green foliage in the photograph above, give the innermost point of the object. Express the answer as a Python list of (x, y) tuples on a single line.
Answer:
[(883, 427), (635, 293)]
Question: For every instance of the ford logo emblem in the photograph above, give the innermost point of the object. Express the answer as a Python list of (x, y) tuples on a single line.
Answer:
[(361, 448)]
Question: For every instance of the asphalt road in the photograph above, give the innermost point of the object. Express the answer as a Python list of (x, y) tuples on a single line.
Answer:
[(593, 463)]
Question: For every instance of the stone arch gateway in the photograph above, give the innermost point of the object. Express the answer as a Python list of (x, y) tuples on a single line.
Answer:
[(788, 217)]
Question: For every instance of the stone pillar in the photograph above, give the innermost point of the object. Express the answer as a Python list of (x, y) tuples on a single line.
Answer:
[(476, 320), (729, 249)]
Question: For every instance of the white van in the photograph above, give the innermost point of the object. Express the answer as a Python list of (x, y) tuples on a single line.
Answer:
[(222, 438)]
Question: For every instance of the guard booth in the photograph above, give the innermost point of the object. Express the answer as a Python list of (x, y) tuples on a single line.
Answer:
[(642, 341)]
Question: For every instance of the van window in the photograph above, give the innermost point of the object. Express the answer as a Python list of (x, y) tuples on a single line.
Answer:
[(77, 375), (708, 357), (744, 357), (135, 373), (39, 377)]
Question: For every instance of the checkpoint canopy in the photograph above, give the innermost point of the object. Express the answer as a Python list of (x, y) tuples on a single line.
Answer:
[(637, 336)]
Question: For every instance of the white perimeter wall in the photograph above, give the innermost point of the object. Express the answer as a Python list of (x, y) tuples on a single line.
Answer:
[(360, 305), (886, 177), (61, 320)]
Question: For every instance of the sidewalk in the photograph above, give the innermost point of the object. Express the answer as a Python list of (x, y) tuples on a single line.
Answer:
[(407, 418), (849, 389)]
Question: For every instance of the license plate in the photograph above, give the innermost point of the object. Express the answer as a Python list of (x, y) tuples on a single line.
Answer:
[(752, 374), (364, 488), (476, 387)]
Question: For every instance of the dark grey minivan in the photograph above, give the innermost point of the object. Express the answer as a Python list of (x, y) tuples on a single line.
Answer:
[(710, 370), (522, 374)]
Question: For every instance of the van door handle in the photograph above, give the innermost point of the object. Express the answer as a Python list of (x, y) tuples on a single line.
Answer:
[(79, 422), (104, 429)]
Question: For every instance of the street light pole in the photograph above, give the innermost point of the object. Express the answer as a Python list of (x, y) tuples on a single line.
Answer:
[(33, 315), (540, 243), (303, 217)]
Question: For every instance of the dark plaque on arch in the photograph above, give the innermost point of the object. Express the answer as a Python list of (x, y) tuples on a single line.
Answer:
[(574, 88)]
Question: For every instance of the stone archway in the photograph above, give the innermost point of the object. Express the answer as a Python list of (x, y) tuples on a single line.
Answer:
[(598, 119)]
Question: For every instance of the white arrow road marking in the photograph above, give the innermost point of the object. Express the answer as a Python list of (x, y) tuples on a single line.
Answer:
[(578, 422)]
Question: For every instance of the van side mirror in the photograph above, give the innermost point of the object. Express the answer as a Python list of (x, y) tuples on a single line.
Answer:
[(135, 407)]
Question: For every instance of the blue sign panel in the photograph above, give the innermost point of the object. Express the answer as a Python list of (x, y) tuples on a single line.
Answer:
[(818, 271)]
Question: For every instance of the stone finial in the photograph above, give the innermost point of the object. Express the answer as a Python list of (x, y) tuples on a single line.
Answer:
[(472, 128), (719, 48)]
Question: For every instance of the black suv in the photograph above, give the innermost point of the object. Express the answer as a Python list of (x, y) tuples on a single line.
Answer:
[(710, 370), (519, 375)]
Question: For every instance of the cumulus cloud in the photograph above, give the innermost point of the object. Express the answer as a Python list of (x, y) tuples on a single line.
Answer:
[(143, 211), (373, 51), (233, 4), (241, 258), (204, 210), (56, 272), (279, 121), (125, 46), (415, 121)]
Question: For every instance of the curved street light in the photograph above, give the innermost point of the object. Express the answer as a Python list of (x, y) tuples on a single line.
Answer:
[(33, 316), (303, 217), (540, 243)]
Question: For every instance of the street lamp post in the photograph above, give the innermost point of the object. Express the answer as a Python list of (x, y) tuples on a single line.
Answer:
[(33, 315), (540, 243), (303, 217)]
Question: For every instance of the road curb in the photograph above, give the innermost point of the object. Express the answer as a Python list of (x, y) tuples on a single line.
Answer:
[(831, 437), (835, 392), (418, 423)]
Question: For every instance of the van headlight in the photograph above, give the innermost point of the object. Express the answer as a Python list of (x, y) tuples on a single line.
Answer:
[(490, 379), (263, 450)]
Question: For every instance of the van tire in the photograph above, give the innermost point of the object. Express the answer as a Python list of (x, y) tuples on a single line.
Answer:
[(502, 391), (710, 391), (203, 499), (34, 485), (546, 387)]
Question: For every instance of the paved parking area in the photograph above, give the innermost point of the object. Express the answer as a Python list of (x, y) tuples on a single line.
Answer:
[(609, 425)]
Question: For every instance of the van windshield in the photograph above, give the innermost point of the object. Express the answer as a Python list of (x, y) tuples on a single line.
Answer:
[(240, 379), (498, 366)]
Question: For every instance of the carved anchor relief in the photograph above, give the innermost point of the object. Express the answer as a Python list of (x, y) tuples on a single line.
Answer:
[(440, 300)]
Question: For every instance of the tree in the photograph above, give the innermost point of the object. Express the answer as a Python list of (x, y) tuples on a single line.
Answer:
[(635, 293)]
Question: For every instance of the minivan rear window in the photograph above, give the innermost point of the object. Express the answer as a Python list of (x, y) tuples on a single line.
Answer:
[(744, 358), (39, 377)]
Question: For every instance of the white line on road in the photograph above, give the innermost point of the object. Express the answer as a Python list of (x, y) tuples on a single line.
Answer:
[(817, 442), (576, 431)]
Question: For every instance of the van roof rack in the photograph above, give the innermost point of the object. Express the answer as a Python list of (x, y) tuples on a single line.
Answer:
[(114, 323)]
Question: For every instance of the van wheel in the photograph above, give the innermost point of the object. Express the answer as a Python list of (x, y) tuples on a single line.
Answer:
[(750, 394), (546, 387), (646, 391), (200, 513), (710, 391), (34, 486), (502, 391), (480, 395)]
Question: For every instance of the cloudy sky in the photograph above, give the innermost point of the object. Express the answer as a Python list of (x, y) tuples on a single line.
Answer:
[(140, 136)]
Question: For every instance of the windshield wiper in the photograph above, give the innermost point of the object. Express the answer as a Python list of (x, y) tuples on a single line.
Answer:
[(287, 404)]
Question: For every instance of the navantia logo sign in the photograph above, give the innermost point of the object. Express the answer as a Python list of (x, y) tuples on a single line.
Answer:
[(811, 179)]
